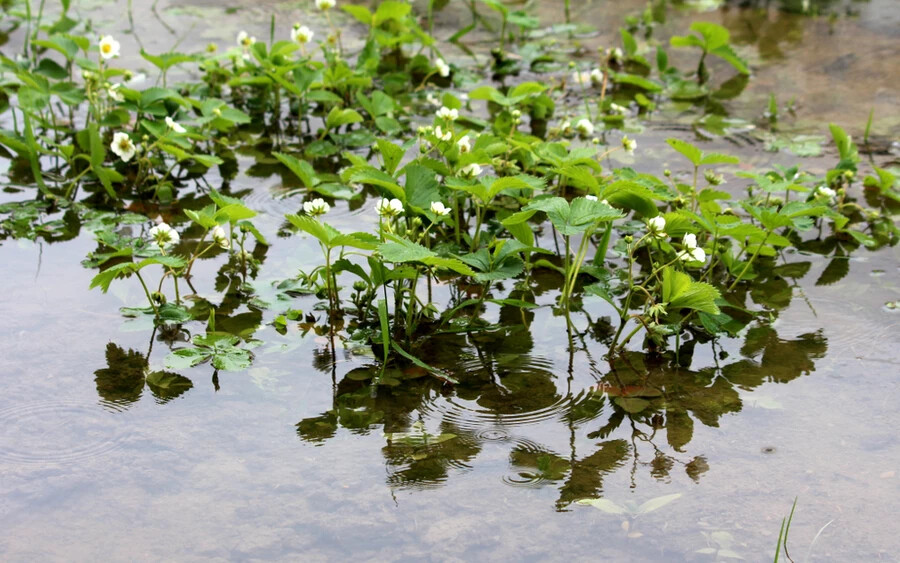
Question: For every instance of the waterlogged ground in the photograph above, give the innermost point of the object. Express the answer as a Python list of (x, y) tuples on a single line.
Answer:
[(289, 460)]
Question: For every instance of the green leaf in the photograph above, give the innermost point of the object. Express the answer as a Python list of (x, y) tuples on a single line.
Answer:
[(186, 358), (338, 117), (375, 177), (714, 35), (166, 385), (726, 53), (104, 278), (637, 81), (391, 10), (716, 158), (577, 217), (657, 503), (434, 371), (231, 359), (313, 227), (682, 292), (689, 151), (391, 153), (603, 504), (234, 213), (301, 169), (361, 13), (166, 60)]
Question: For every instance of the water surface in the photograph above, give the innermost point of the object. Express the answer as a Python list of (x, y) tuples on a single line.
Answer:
[(289, 458)]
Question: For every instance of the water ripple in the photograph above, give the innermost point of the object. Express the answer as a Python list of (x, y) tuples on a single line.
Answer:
[(59, 432)]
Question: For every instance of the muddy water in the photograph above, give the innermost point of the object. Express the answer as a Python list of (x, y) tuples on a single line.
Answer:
[(288, 459)]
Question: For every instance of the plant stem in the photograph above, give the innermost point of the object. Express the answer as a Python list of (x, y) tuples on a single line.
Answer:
[(147, 293), (749, 262)]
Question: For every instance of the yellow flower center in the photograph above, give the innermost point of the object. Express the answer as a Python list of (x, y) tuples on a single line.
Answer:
[(106, 48)]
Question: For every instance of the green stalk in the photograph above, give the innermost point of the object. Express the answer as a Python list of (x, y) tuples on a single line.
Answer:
[(752, 258), (147, 293), (579, 260), (603, 247), (479, 217), (566, 260), (328, 280)]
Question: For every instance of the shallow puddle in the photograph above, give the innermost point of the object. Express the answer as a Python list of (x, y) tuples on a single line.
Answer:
[(301, 457)]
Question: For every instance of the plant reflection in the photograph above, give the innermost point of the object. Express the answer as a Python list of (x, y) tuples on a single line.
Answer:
[(640, 415)]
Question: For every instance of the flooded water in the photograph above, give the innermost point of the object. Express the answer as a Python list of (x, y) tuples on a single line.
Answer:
[(300, 457)]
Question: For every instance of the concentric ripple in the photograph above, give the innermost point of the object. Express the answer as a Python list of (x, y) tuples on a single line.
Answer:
[(480, 420), (59, 432), (534, 466)]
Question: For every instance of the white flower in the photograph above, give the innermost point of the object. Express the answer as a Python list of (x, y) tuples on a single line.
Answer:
[(109, 47), (695, 254), (565, 127), (301, 33), (657, 227), (164, 235), (689, 241), (113, 92), (471, 170), (443, 135), (629, 144), (220, 237), (585, 127), (174, 125), (439, 209), (316, 207), (582, 78), (122, 146), (825, 192), (389, 207), (617, 108), (616, 54), (135, 78), (325, 4), (463, 144), (245, 40), (448, 114), (442, 67), (597, 75)]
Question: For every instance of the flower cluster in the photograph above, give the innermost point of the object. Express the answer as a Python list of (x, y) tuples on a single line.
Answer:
[(442, 67), (448, 113), (691, 252), (174, 125), (584, 127), (442, 135), (221, 238)]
